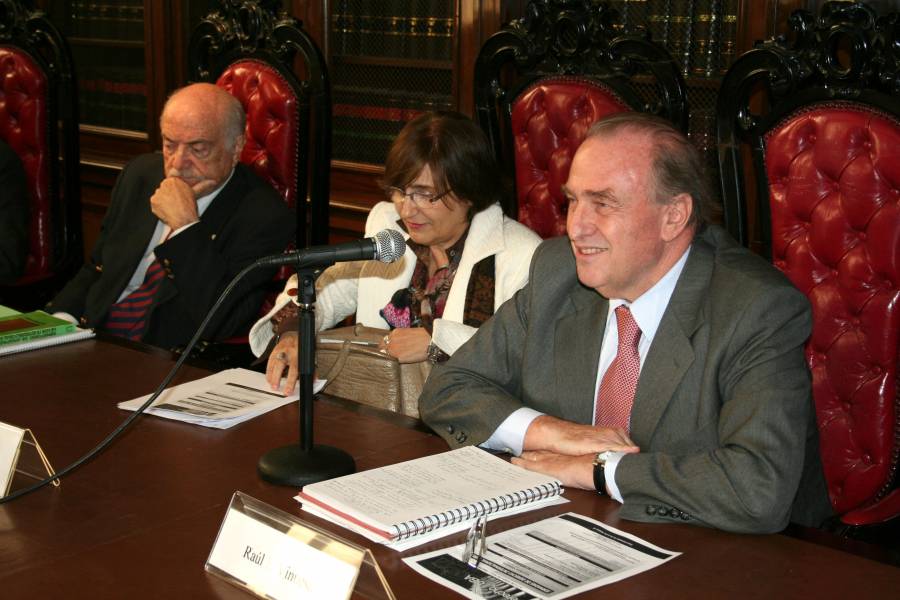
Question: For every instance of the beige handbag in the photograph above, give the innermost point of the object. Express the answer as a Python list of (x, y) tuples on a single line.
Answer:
[(349, 359)]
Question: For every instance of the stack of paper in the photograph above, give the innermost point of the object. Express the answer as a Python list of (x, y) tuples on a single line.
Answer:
[(220, 401)]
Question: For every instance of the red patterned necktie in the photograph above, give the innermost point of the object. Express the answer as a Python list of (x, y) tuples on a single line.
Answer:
[(619, 383), (128, 317)]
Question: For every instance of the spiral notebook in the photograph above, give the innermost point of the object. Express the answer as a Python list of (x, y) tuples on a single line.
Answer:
[(46, 342), (413, 502)]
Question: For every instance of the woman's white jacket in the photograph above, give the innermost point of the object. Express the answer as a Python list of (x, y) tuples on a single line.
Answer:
[(367, 286)]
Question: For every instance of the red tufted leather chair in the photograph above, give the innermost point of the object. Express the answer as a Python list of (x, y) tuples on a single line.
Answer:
[(272, 134), (249, 48), (541, 81), (827, 166), (38, 119)]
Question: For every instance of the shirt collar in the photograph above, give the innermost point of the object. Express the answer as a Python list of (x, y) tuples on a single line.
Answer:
[(649, 307)]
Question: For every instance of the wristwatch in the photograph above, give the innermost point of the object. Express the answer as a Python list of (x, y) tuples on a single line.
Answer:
[(600, 471), (435, 355)]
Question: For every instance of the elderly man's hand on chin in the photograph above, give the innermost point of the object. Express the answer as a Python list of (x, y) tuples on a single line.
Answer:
[(175, 203)]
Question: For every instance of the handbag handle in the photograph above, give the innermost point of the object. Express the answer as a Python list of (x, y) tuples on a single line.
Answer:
[(338, 366)]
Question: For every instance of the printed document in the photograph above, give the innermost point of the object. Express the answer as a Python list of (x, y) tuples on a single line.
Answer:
[(553, 558), (220, 401)]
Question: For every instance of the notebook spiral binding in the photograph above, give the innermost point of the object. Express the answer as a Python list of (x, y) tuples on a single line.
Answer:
[(415, 527)]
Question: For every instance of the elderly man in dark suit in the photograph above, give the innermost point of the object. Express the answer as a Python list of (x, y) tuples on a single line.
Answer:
[(650, 357), (179, 227)]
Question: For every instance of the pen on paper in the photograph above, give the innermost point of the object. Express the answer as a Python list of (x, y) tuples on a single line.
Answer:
[(252, 389), (357, 342)]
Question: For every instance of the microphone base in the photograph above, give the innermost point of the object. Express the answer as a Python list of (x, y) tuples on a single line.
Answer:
[(296, 467)]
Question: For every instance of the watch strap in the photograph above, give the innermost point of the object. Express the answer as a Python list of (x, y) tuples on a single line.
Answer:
[(600, 477)]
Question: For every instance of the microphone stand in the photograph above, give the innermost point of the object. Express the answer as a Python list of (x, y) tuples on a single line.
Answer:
[(303, 463)]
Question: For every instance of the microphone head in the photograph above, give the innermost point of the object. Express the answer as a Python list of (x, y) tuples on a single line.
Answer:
[(389, 245)]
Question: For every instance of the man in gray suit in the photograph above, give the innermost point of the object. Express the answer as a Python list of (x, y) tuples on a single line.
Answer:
[(702, 412)]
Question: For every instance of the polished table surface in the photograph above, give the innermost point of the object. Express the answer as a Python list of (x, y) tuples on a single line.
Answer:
[(139, 520)]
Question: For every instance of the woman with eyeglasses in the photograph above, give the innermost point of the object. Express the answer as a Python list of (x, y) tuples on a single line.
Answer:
[(463, 259)]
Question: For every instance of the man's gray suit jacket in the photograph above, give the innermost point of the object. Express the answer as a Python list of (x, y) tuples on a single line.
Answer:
[(722, 414)]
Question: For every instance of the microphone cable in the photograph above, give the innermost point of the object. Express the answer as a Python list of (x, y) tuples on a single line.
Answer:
[(131, 418)]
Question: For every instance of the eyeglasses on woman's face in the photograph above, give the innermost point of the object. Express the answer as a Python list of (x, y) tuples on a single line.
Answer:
[(421, 198)]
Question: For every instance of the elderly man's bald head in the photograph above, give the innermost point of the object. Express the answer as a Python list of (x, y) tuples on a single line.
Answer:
[(202, 128), (212, 102)]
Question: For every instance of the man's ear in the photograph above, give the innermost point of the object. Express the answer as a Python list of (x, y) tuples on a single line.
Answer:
[(238, 148), (677, 216)]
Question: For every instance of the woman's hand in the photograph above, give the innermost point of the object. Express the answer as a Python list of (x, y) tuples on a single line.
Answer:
[(284, 355), (407, 344)]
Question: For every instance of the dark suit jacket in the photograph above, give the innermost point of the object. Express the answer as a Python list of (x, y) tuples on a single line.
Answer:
[(246, 221), (14, 211), (723, 412)]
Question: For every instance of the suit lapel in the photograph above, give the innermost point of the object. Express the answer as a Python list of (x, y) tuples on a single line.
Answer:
[(576, 348), (145, 226), (223, 206), (128, 251), (672, 352), (214, 218)]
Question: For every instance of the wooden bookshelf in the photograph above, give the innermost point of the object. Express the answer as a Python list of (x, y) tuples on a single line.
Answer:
[(368, 114)]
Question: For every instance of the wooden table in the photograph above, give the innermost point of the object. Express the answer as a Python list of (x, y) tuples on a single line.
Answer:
[(139, 520)]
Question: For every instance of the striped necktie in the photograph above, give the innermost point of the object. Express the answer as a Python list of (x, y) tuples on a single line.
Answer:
[(128, 317), (619, 383)]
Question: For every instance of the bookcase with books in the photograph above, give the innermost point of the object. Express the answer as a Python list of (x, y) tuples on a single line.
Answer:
[(128, 55), (704, 37), (390, 60), (107, 41)]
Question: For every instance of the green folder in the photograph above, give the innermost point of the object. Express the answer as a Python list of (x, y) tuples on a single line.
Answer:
[(23, 327)]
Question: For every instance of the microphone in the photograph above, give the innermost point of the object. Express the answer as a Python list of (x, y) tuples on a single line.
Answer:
[(387, 246)]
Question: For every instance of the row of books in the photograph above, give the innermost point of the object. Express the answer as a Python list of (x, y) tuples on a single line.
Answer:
[(389, 8), (363, 140), (428, 38), (106, 108), (364, 133), (112, 94), (113, 20), (373, 102), (700, 34)]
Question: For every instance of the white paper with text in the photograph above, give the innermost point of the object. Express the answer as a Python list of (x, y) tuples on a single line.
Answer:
[(551, 559), (221, 400)]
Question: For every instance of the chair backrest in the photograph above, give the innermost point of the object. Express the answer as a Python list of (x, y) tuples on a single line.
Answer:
[(39, 121), (542, 80), (826, 161), (249, 48)]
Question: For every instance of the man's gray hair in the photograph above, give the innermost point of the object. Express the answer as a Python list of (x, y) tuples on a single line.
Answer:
[(235, 120), (676, 164)]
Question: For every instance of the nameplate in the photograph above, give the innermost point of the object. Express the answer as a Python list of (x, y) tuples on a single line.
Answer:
[(21, 459), (274, 555)]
